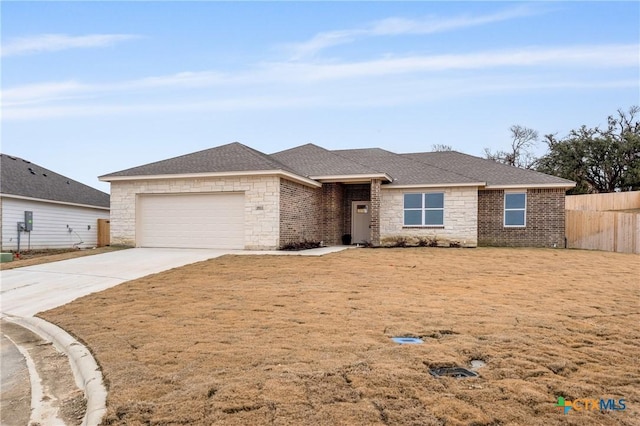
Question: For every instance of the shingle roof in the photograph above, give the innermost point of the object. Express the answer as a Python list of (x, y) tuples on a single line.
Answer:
[(424, 168), (233, 157), (405, 170), (312, 160), (23, 178), (494, 174)]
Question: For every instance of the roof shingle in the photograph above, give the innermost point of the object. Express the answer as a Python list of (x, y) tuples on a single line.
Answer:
[(494, 174), (423, 168), (312, 160), (23, 178), (233, 157), (405, 170)]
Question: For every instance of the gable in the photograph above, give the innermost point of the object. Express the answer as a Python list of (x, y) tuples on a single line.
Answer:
[(233, 157)]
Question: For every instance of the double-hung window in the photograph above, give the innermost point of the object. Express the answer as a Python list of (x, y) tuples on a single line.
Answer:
[(424, 209), (515, 209)]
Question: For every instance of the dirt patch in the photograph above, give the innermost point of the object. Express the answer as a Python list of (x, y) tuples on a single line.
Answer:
[(38, 257), (300, 340)]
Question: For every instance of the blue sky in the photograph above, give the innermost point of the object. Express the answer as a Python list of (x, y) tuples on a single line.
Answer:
[(89, 88)]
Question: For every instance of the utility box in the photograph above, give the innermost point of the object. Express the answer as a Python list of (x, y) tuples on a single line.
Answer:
[(28, 221)]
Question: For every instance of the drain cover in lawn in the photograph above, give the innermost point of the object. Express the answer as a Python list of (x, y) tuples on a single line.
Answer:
[(455, 372), (407, 340)]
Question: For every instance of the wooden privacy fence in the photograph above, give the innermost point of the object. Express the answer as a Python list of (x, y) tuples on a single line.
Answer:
[(104, 232), (604, 202), (609, 222)]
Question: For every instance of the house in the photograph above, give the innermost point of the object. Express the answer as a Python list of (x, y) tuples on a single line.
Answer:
[(235, 197), (45, 210)]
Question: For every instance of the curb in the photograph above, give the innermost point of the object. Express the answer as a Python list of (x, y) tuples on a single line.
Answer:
[(85, 369)]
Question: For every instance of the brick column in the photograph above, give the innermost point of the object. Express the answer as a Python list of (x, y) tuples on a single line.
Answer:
[(332, 213), (375, 212)]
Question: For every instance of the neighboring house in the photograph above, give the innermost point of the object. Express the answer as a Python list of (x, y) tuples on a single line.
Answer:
[(64, 212), (236, 197)]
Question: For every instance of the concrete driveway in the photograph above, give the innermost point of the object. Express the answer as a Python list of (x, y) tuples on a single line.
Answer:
[(29, 290), (26, 291)]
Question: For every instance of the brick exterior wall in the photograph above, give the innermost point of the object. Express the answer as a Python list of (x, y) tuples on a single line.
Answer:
[(545, 220), (333, 212), (460, 217), (262, 201), (300, 213)]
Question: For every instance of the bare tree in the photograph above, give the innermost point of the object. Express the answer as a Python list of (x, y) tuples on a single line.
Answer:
[(523, 139), (440, 147)]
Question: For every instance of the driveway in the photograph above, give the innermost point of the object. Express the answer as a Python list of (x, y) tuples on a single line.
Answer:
[(27, 291), (32, 289)]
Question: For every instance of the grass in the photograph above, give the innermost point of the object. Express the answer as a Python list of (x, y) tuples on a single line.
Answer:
[(297, 340)]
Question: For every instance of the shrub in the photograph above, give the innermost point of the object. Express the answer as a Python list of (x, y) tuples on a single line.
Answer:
[(432, 241), (423, 242), (399, 242), (301, 245)]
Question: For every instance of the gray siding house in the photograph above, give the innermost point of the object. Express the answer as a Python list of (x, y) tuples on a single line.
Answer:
[(65, 211), (235, 197)]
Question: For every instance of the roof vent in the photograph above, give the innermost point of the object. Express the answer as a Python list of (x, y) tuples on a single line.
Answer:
[(44, 174), (28, 162)]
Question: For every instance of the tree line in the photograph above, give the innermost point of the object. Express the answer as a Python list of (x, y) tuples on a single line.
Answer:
[(598, 159)]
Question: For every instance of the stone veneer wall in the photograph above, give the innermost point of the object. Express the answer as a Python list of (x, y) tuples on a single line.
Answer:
[(300, 213), (545, 220), (460, 216), (262, 199)]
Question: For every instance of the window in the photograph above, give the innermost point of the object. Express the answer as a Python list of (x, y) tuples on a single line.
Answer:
[(515, 209), (425, 209), (361, 208)]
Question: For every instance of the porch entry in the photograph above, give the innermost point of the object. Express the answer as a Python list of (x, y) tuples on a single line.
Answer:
[(360, 222)]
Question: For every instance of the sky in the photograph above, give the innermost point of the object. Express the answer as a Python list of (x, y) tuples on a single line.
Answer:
[(89, 88)]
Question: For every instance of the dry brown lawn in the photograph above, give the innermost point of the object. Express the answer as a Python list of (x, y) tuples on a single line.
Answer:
[(247, 340)]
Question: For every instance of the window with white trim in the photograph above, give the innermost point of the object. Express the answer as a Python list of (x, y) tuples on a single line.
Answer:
[(424, 209), (515, 209)]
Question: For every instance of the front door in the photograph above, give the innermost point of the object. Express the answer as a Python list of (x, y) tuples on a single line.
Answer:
[(360, 222)]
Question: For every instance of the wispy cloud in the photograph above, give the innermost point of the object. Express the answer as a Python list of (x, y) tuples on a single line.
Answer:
[(599, 56), (414, 91), (286, 84), (401, 26), (56, 42)]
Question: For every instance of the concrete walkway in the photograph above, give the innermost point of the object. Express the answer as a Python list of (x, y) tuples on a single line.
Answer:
[(26, 291)]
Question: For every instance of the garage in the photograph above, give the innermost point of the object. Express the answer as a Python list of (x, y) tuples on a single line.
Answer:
[(194, 220)]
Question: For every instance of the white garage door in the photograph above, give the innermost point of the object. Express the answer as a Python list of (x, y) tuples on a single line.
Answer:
[(191, 221)]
